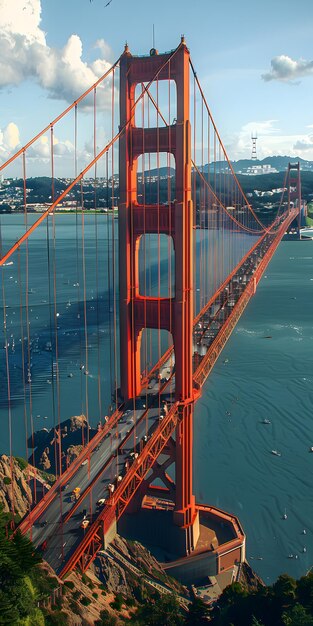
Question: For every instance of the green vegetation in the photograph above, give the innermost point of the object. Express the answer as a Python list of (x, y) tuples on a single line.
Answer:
[(159, 611), (22, 586), (309, 219), (58, 618), (18, 566), (49, 478), (22, 463), (69, 584), (117, 602), (288, 602), (106, 619)]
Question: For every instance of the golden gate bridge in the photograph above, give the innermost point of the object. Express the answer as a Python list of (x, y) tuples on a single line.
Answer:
[(189, 255)]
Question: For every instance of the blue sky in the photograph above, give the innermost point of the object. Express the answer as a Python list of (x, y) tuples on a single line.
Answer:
[(254, 61)]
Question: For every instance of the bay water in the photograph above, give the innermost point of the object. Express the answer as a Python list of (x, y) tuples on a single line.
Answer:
[(264, 372)]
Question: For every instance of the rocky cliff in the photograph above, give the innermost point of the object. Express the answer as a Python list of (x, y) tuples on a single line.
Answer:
[(65, 442), (18, 482)]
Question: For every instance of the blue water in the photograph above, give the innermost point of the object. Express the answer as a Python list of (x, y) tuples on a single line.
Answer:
[(262, 378), (273, 379)]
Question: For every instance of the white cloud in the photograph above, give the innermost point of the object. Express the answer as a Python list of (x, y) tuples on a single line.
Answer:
[(304, 144), (11, 136), (24, 53), (9, 140), (285, 69), (271, 141), (41, 149)]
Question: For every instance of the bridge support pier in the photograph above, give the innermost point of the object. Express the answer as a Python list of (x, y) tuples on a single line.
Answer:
[(138, 311)]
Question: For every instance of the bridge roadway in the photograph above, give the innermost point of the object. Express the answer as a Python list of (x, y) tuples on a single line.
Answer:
[(106, 460)]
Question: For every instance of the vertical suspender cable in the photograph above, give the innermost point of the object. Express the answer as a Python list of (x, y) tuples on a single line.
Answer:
[(77, 212), (97, 252), (144, 251), (86, 371), (55, 372), (110, 288), (114, 258), (158, 234), (23, 354), (130, 205), (29, 379), (6, 344), (170, 238)]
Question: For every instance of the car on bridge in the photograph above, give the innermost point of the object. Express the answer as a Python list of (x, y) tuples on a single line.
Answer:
[(85, 523)]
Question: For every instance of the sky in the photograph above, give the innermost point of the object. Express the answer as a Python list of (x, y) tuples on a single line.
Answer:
[(254, 61)]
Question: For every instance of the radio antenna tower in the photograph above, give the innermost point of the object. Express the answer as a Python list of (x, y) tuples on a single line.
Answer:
[(253, 153)]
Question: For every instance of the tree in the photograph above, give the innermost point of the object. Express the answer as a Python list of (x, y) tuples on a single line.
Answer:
[(297, 616), (23, 598), (57, 618), (198, 613), (25, 552), (106, 619), (10, 571), (256, 622), (18, 557), (305, 591), (285, 589), (8, 612), (231, 594), (161, 611)]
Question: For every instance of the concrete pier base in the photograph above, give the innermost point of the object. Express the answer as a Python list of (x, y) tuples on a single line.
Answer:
[(156, 528), (217, 538)]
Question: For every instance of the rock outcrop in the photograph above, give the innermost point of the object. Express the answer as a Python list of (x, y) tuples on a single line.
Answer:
[(119, 578), (74, 433), (15, 488)]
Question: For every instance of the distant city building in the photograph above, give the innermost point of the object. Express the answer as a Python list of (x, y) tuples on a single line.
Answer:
[(257, 170)]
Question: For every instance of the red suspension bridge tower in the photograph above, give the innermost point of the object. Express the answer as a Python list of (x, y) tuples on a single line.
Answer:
[(137, 311)]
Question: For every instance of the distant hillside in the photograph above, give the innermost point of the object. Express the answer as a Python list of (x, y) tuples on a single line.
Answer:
[(280, 163), (275, 180)]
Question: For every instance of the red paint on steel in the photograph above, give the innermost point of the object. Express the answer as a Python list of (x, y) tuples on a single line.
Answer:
[(136, 311)]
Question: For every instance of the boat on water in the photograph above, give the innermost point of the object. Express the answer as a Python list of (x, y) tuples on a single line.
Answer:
[(265, 421), (276, 453), (311, 449), (285, 515)]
